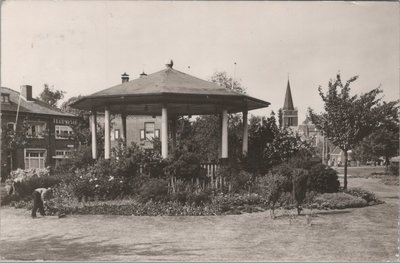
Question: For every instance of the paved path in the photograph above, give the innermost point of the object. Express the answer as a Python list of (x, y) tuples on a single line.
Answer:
[(364, 234)]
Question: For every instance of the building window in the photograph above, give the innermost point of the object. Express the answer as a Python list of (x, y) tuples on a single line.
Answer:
[(36, 130), (35, 158), (63, 132), (5, 98), (157, 133), (142, 137), (116, 134), (62, 153), (61, 157), (149, 130)]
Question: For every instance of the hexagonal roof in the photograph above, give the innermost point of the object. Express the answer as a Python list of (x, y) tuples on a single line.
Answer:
[(182, 93)]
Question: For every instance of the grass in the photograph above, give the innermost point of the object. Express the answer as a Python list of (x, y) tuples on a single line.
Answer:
[(363, 171), (370, 172), (362, 234)]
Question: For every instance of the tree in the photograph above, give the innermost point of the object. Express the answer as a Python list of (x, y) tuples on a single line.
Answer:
[(12, 140), (203, 135), (269, 145), (81, 130), (347, 119), (65, 107), (262, 132), (221, 78), (299, 187), (280, 118), (51, 96), (384, 140)]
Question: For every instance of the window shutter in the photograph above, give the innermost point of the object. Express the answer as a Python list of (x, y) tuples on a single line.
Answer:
[(142, 136)]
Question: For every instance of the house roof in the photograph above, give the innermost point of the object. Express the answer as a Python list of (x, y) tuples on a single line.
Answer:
[(33, 106), (336, 151), (184, 94), (288, 103)]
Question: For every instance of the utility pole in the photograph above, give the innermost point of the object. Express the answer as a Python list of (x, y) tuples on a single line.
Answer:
[(234, 75), (323, 149)]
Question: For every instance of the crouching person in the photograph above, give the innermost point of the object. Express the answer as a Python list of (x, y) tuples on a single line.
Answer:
[(40, 197)]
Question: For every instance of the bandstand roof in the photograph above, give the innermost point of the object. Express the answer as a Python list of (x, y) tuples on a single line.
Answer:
[(182, 93)]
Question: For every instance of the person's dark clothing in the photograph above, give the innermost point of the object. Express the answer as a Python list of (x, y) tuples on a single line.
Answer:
[(39, 197), (37, 204)]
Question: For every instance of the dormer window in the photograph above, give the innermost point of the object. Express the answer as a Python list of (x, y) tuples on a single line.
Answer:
[(5, 98)]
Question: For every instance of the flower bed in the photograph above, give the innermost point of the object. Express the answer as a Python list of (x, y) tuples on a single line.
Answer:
[(369, 197), (337, 201)]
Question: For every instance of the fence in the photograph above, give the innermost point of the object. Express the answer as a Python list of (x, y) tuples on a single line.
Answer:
[(215, 180), (212, 181)]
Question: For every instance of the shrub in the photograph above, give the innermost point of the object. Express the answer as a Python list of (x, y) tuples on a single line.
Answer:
[(323, 179), (114, 178), (180, 197), (200, 198), (184, 165), (303, 159), (232, 203), (271, 187), (238, 180), (155, 189), (394, 168), (299, 184), (369, 197), (24, 182), (147, 209), (337, 201)]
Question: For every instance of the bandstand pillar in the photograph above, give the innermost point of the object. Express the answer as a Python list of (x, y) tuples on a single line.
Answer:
[(123, 121), (224, 142), (245, 146), (107, 137), (164, 132), (93, 125)]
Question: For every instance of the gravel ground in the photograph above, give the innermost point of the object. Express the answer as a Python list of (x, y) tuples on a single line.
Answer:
[(363, 234)]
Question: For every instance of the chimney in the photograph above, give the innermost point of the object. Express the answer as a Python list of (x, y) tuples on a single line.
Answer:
[(125, 77), (26, 92), (142, 75), (170, 64)]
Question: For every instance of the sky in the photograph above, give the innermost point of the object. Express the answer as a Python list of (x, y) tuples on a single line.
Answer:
[(83, 47)]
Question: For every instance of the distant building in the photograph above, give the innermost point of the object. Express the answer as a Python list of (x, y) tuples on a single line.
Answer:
[(289, 113), (308, 131), (337, 158), (140, 129), (48, 132)]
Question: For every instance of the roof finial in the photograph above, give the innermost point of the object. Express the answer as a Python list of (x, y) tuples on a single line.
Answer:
[(170, 64)]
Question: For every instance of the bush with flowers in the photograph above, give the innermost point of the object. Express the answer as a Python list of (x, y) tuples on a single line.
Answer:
[(22, 183)]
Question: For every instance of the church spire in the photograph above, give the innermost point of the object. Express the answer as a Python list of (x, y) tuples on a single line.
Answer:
[(288, 104)]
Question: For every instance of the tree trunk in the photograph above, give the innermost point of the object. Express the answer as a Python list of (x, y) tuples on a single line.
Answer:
[(387, 163), (345, 170)]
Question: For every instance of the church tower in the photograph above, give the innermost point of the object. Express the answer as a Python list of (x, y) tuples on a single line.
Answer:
[(289, 113)]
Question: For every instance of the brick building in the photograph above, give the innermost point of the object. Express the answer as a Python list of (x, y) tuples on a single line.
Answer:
[(141, 130), (47, 131)]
